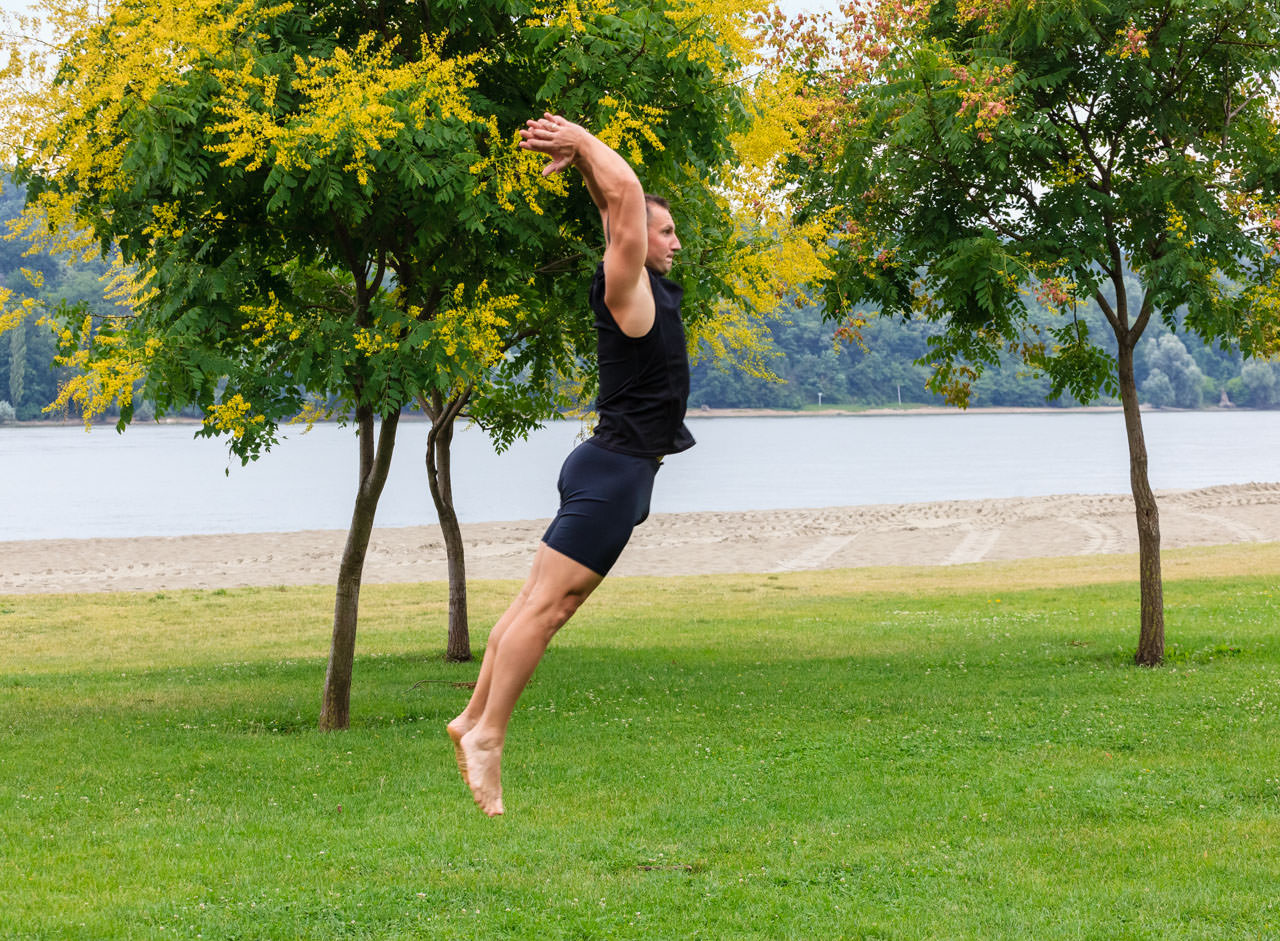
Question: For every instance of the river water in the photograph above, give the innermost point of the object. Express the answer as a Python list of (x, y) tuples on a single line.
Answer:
[(157, 480)]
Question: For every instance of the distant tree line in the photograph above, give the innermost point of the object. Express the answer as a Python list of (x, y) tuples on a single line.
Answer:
[(889, 367), (29, 376)]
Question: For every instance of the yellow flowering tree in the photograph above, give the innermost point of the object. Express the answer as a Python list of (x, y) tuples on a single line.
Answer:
[(315, 202), (775, 258)]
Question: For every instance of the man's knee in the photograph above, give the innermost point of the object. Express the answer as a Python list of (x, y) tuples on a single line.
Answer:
[(524, 594), (564, 606), (553, 609)]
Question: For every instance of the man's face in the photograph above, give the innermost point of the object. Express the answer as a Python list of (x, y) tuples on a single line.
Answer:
[(663, 243)]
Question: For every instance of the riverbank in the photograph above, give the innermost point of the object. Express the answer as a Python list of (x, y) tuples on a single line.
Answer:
[(708, 412), (913, 534), (873, 411)]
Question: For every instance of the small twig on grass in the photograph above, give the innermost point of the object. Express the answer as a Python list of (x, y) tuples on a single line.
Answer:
[(421, 683)]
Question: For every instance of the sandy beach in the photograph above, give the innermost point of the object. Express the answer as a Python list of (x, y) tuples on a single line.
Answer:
[(946, 533)]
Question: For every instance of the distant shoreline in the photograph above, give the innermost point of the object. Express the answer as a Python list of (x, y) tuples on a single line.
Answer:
[(878, 411), (706, 412)]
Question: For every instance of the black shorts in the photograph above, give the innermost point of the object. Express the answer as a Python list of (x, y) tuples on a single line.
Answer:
[(603, 496)]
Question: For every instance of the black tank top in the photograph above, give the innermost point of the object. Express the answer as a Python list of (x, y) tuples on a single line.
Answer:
[(644, 381)]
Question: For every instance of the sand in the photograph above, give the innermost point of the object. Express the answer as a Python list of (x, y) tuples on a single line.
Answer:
[(946, 533)]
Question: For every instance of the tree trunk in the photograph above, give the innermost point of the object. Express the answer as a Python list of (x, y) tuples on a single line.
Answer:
[(375, 461), (440, 479), (1151, 634)]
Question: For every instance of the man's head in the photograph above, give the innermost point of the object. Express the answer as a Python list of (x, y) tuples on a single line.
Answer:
[(663, 243)]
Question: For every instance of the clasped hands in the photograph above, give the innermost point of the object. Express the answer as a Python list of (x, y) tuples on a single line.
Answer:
[(554, 136)]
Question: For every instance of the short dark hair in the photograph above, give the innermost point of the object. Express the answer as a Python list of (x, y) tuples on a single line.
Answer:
[(651, 200)]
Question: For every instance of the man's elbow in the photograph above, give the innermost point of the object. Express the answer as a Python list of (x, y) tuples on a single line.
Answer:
[(625, 195)]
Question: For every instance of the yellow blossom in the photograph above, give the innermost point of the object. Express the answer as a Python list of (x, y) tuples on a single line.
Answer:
[(354, 101), (233, 415), (476, 329)]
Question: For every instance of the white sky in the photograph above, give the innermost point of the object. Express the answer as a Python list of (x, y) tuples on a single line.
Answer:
[(799, 6), (788, 6)]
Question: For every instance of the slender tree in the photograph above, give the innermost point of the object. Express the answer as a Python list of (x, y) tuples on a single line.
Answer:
[(983, 150)]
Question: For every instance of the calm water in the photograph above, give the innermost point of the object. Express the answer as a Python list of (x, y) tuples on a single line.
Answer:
[(160, 481)]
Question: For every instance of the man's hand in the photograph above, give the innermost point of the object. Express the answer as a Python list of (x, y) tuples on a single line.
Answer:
[(557, 138)]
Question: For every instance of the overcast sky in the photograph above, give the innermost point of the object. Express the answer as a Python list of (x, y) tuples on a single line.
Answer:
[(789, 6), (808, 6)]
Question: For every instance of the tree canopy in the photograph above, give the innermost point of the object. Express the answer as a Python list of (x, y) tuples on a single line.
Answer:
[(261, 167), (985, 153), (310, 201)]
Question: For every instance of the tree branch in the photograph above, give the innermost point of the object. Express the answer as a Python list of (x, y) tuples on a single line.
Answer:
[(1144, 315), (357, 270), (520, 337), (1086, 139), (456, 405), (560, 264), (1172, 91), (1108, 311), (428, 406), (382, 270)]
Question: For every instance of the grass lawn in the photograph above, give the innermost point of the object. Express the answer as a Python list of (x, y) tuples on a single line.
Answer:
[(929, 753)]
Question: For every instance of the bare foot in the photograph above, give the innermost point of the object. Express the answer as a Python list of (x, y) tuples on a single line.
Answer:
[(456, 729), (484, 771)]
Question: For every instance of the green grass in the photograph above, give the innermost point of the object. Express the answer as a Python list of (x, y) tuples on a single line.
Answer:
[(732, 757)]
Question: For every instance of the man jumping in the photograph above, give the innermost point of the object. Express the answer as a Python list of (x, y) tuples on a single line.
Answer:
[(606, 482)]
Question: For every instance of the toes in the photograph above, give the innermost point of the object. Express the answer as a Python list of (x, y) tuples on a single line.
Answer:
[(492, 808), (487, 800)]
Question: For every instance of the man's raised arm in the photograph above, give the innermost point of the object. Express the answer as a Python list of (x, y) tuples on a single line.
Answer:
[(617, 193)]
